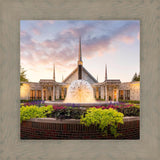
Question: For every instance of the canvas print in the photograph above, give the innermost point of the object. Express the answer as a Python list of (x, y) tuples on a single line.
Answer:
[(79, 79)]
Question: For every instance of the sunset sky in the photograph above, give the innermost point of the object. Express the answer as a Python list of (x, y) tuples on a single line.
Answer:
[(47, 42)]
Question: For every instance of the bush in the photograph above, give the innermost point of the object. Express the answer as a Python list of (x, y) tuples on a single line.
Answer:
[(129, 101), (103, 118), (35, 102), (66, 113), (29, 112), (127, 110), (23, 100), (131, 111)]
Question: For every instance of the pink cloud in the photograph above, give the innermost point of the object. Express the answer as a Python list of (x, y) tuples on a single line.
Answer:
[(127, 39), (100, 54), (51, 21), (43, 22), (51, 44), (138, 36), (96, 46), (63, 50), (22, 33), (51, 51), (78, 31), (36, 28), (36, 31)]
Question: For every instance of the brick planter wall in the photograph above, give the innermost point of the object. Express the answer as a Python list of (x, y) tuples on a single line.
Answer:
[(50, 128)]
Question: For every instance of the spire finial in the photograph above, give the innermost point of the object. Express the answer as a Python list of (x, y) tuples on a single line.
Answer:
[(54, 72), (105, 72)]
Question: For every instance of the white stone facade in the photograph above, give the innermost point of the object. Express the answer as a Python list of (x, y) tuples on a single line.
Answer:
[(102, 91), (133, 88)]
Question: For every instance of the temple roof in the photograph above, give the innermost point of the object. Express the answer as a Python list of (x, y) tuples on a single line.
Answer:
[(75, 70)]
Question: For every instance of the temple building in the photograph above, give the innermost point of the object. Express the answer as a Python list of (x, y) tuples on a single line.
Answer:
[(109, 90)]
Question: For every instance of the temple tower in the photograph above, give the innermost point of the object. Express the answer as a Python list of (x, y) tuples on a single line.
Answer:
[(105, 72), (54, 72), (80, 63)]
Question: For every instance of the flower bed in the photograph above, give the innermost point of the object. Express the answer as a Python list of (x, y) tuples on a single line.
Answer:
[(33, 102), (104, 117), (126, 109), (64, 112)]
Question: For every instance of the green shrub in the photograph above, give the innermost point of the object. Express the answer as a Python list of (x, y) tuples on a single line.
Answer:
[(33, 111), (24, 100), (130, 111), (136, 105), (103, 118), (129, 101), (66, 113)]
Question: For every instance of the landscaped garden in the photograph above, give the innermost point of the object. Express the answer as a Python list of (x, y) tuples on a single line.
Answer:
[(103, 117)]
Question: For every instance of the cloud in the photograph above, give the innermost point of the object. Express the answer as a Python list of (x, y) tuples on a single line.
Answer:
[(127, 39), (138, 36), (44, 22), (79, 30), (37, 25), (36, 31), (25, 37), (103, 43), (62, 49)]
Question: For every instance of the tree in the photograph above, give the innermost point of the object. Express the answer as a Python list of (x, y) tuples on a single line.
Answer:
[(23, 75), (136, 77)]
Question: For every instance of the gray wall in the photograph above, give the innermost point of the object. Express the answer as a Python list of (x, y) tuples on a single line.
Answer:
[(11, 147)]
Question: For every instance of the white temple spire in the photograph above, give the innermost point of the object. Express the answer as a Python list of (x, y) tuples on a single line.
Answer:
[(80, 53), (54, 72), (80, 63), (105, 72)]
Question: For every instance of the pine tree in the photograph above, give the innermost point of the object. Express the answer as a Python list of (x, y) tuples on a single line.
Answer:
[(23, 75), (136, 77)]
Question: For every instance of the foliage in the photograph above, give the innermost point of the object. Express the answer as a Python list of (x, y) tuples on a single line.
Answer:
[(23, 75), (117, 105), (126, 109), (129, 101), (24, 100), (28, 112), (34, 109), (136, 77), (33, 102), (131, 111), (66, 112), (103, 118)]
